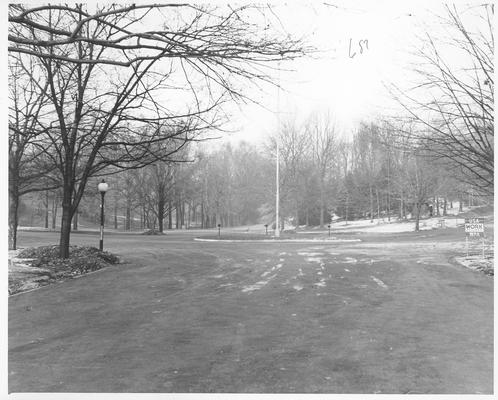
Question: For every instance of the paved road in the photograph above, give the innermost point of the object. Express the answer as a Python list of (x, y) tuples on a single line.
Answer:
[(389, 314)]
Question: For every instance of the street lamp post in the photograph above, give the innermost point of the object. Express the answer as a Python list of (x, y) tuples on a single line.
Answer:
[(103, 187)]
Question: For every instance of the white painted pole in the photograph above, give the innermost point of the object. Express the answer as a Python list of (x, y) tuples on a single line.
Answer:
[(277, 197), (277, 200)]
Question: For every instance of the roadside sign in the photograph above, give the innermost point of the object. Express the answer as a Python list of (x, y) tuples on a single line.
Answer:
[(474, 227)]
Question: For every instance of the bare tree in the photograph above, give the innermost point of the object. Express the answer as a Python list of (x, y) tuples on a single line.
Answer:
[(29, 170), (294, 154), (454, 102), (162, 174), (420, 184), (110, 79), (369, 155), (321, 132)]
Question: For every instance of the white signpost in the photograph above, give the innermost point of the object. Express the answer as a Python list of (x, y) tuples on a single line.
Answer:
[(474, 229)]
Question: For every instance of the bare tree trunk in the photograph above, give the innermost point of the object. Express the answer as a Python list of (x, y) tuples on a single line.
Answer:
[(371, 203), (445, 207), (67, 216), (115, 213), (75, 221), (54, 212), (307, 217), (347, 207), (160, 213), (417, 217), (401, 205), (322, 205), (146, 219), (13, 218), (46, 209), (170, 215), (128, 216), (388, 207), (378, 203), (177, 215), (203, 225), (182, 214), (296, 215), (65, 232), (189, 215)]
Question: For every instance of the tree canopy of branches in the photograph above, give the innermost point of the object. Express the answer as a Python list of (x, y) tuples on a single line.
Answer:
[(125, 95), (453, 105)]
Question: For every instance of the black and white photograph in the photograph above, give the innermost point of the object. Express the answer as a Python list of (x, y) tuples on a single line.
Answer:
[(248, 199)]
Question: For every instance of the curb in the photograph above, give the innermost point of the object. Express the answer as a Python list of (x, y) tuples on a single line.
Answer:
[(278, 241)]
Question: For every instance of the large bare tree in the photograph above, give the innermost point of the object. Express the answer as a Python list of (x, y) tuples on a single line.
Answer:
[(453, 104), (29, 169), (124, 79)]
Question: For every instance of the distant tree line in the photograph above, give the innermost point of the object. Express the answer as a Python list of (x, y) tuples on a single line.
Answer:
[(376, 173)]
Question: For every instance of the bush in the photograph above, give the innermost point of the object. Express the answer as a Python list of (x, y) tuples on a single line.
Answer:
[(152, 232)]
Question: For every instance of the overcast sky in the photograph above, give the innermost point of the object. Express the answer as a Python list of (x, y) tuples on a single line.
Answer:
[(342, 79)]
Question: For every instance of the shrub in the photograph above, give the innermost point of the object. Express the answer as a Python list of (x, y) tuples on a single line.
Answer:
[(152, 232)]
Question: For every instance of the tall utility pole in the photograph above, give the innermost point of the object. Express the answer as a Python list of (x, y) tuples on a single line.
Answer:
[(277, 197), (277, 200)]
